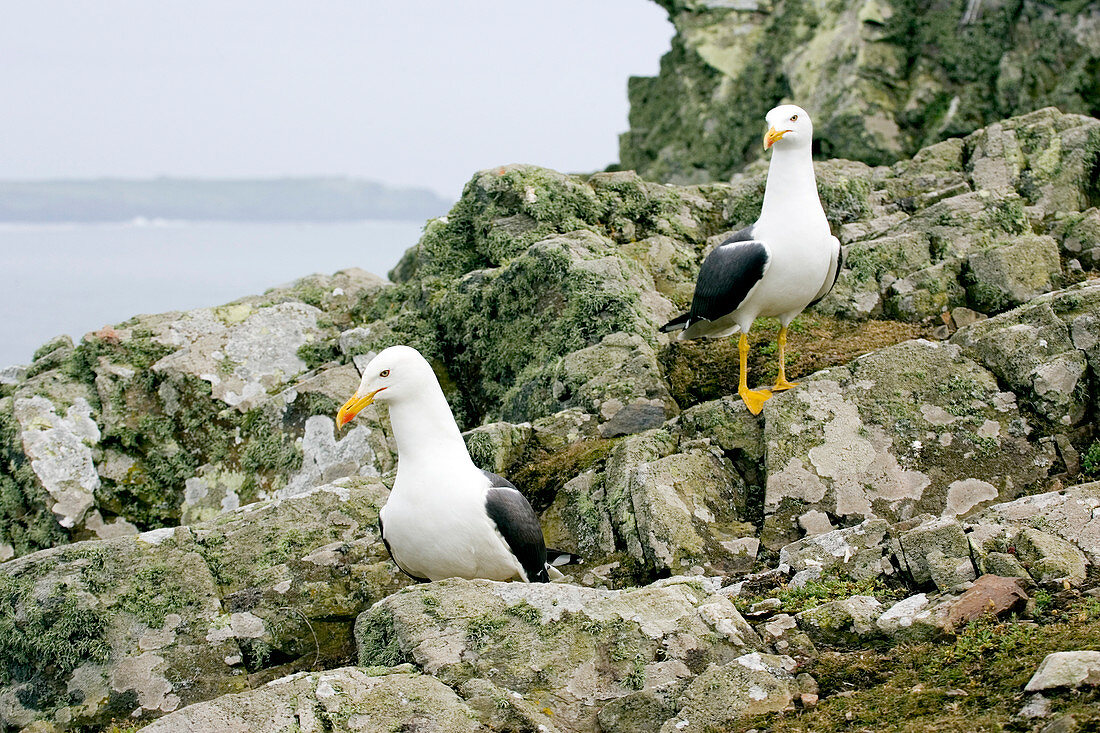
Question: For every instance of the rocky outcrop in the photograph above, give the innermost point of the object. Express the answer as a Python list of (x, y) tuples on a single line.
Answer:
[(180, 524), (565, 648), (140, 625), (345, 699), (178, 417), (882, 78)]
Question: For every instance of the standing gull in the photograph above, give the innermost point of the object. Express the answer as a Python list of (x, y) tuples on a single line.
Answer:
[(784, 262), (445, 517)]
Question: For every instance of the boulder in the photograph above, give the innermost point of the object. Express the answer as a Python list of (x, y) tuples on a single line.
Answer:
[(137, 626), (1003, 277), (990, 595), (1066, 669), (566, 648), (912, 428), (181, 416), (858, 552), (840, 622), (1044, 351), (1071, 514), (345, 699), (852, 65), (937, 551), (723, 695)]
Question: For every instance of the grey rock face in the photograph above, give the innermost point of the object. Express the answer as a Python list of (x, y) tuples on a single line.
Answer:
[(1044, 351), (1066, 669), (858, 552), (912, 428), (345, 698), (160, 620), (567, 648), (841, 622), (725, 694)]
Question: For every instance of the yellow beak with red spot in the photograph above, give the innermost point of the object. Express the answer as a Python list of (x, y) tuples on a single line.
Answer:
[(772, 136), (353, 407)]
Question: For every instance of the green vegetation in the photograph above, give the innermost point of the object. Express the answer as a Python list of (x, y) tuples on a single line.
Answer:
[(377, 641), (26, 522), (1090, 461), (830, 587), (970, 683), (543, 474), (156, 590), (46, 637)]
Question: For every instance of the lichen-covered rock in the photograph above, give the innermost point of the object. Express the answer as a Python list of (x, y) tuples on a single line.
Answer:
[(1044, 351), (1050, 558), (566, 648), (497, 446), (725, 694), (912, 428), (344, 699), (937, 551), (662, 510), (1072, 514), (1003, 277), (881, 78), (1066, 669), (972, 222), (180, 416), (845, 621), (111, 629), (138, 626), (859, 552)]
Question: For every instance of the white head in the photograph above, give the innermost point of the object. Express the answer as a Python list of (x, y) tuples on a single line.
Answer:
[(789, 126), (398, 373)]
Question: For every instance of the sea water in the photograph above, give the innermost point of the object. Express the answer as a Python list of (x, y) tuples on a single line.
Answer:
[(75, 278)]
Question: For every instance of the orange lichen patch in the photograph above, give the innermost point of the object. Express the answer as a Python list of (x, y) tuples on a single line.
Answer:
[(107, 334), (707, 369)]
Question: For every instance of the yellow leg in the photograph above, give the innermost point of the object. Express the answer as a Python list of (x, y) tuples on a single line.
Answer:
[(754, 399), (781, 382)]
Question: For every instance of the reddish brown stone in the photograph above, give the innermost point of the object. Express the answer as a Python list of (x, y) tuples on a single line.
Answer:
[(991, 595)]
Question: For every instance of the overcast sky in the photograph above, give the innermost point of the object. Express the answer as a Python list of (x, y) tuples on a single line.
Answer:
[(408, 92)]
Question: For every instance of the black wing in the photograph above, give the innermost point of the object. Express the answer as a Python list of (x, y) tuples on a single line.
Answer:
[(726, 277), (682, 321), (517, 523), (381, 533)]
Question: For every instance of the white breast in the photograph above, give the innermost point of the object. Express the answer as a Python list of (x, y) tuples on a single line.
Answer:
[(437, 527)]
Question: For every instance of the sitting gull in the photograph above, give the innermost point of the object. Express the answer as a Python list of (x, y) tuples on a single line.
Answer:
[(784, 262), (446, 517)]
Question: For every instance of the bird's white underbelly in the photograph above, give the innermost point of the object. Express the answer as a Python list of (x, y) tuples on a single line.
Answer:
[(447, 536), (791, 283)]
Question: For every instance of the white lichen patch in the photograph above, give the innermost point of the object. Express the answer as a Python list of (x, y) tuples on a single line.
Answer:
[(60, 453), (326, 459), (154, 639), (964, 495), (243, 353), (139, 674)]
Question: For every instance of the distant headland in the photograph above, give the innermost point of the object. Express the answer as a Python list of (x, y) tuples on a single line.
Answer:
[(274, 199)]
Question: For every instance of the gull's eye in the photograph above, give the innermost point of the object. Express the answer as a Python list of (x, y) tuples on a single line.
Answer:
[(794, 118), (384, 373)]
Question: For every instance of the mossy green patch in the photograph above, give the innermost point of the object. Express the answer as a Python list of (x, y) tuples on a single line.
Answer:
[(49, 636), (480, 629), (377, 641), (156, 590), (26, 522), (830, 587), (972, 682), (542, 475)]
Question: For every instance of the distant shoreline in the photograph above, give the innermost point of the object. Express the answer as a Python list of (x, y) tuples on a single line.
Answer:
[(275, 200)]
